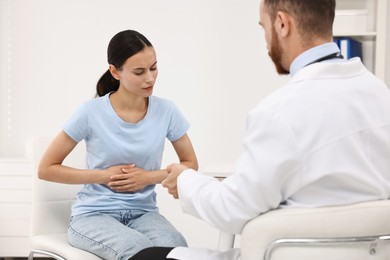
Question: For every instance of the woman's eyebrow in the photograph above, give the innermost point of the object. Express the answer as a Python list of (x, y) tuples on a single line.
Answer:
[(141, 68)]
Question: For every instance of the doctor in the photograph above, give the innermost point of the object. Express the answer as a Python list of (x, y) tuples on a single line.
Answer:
[(321, 140)]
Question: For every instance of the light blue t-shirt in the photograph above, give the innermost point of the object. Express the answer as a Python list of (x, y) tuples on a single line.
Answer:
[(112, 141)]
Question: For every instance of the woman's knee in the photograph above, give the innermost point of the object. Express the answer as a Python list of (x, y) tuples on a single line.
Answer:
[(170, 238), (162, 233), (110, 241), (119, 249)]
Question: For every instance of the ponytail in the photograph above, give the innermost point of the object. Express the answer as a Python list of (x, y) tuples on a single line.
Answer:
[(106, 84)]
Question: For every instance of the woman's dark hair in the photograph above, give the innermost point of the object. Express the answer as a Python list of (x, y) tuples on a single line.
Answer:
[(121, 47)]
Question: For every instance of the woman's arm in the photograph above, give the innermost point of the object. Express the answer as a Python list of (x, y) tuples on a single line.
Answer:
[(185, 152), (51, 169), (136, 179), (188, 161)]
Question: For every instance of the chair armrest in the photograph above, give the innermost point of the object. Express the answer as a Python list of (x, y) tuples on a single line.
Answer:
[(358, 220), (219, 170)]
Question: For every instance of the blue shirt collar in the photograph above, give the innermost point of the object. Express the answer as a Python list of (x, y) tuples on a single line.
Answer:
[(311, 55)]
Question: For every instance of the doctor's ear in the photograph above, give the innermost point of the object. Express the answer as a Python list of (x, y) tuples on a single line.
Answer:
[(113, 71), (283, 23)]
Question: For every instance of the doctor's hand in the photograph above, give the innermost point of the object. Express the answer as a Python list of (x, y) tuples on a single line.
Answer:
[(174, 170)]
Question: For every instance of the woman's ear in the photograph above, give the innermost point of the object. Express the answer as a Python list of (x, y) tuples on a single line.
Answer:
[(113, 71), (283, 23)]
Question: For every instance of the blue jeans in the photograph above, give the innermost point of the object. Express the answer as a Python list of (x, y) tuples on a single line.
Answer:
[(121, 234)]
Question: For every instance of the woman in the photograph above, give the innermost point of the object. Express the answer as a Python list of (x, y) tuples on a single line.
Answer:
[(124, 128)]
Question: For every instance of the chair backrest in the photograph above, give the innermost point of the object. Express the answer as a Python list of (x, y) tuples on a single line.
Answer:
[(348, 224), (51, 206)]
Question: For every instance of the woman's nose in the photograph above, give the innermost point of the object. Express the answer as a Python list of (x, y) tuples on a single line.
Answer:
[(149, 77)]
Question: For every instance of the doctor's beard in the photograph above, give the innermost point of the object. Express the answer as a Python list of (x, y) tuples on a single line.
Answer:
[(276, 52)]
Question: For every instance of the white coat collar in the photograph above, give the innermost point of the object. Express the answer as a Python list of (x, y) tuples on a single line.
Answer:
[(328, 70)]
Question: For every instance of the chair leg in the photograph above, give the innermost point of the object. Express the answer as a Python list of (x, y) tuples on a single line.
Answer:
[(31, 255), (46, 253)]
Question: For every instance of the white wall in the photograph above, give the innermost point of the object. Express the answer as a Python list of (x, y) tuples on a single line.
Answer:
[(211, 56)]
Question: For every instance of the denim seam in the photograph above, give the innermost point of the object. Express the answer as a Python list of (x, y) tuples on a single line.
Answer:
[(92, 241)]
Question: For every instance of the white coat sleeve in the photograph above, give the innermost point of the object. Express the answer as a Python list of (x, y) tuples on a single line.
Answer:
[(266, 174)]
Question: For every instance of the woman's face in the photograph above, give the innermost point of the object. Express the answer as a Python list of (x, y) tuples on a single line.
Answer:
[(139, 73)]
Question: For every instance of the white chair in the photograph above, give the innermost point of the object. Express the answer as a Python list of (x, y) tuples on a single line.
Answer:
[(51, 209), (354, 232)]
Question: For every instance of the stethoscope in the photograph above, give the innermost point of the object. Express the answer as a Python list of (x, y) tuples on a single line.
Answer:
[(336, 55)]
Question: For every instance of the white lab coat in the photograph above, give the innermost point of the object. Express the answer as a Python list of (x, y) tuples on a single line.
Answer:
[(323, 139)]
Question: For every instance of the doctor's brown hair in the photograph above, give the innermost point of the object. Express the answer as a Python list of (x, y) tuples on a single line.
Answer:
[(314, 17), (121, 47)]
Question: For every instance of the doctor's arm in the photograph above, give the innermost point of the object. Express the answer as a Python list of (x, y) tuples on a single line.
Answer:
[(265, 175)]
